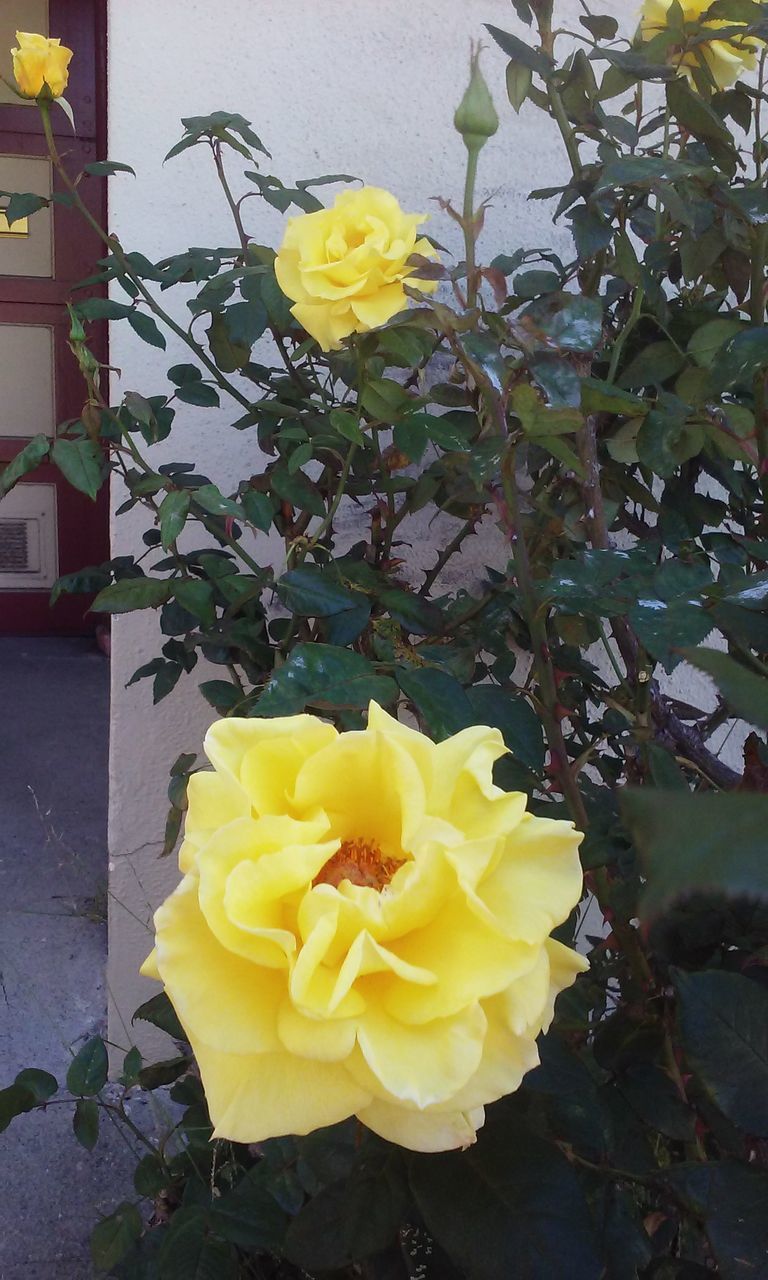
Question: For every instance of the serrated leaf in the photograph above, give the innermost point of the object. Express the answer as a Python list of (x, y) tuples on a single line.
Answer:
[(161, 1013), (81, 463), (323, 676), (85, 1123), (87, 1072), (26, 460), (132, 593), (173, 513), (723, 1023)]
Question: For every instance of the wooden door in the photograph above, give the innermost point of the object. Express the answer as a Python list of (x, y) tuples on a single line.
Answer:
[(47, 528)]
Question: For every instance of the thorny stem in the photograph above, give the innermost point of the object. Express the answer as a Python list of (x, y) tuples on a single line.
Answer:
[(468, 224), (114, 246)]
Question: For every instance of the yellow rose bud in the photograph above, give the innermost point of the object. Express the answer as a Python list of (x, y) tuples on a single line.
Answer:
[(476, 118), (40, 65), (345, 267), (363, 928), (726, 59)]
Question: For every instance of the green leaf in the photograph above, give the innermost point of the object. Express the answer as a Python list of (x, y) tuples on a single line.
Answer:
[(745, 693), (723, 1023), (41, 1084), (146, 328), (604, 397), (189, 1253), (174, 510), (159, 1074), (439, 699), (26, 460), (515, 718), (15, 1101), (199, 393), (132, 593), (196, 597), (250, 1216), (518, 51), (347, 426), (519, 79), (106, 168), (85, 1123), (384, 399), (222, 695), (212, 500), (323, 676), (708, 339), (258, 509), (161, 1013), (350, 1220), (731, 1200), (102, 309), (694, 844), (315, 593), (81, 463), (87, 1072), (571, 322), (22, 204), (743, 358), (509, 1206), (113, 1237), (652, 366)]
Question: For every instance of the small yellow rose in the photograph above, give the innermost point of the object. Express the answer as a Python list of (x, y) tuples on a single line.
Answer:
[(363, 929), (726, 59), (345, 267), (40, 62)]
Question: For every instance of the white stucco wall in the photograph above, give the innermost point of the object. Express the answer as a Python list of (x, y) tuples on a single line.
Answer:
[(346, 86)]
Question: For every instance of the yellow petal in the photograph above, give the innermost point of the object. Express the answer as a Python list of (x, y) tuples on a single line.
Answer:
[(370, 788), (419, 1065), (537, 882), (377, 308), (422, 1130), (322, 1039), (470, 961), (328, 323), (149, 968), (313, 982), (213, 800), (227, 741), (222, 1000), (259, 1096)]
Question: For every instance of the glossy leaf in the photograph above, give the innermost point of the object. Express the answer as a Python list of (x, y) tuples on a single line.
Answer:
[(323, 676), (87, 1073)]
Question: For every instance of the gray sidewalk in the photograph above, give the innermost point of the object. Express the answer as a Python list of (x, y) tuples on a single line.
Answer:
[(54, 719)]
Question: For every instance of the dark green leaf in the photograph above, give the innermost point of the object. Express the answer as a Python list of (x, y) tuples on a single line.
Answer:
[(174, 510), (26, 460), (161, 1013), (321, 675), (81, 462), (698, 844), (439, 699), (520, 727), (87, 1072), (315, 593), (189, 1253), (744, 692), (521, 52), (212, 500), (732, 1202), (85, 1123), (198, 393), (146, 328), (350, 1220), (114, 1236), (511, 1206), (132, 593), (723, 1021), (41, 1084)]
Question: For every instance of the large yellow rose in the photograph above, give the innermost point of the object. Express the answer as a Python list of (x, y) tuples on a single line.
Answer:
[(39, 62), (345, 267), (726, 59), (363, 929)]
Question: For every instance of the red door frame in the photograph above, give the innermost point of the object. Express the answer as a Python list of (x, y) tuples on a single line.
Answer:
[(83, 526)]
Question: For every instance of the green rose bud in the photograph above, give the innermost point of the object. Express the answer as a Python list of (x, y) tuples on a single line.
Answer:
[(476, 119)]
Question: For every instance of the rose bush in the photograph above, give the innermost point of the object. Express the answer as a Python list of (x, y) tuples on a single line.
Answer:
[(363, 928), (607, 408)]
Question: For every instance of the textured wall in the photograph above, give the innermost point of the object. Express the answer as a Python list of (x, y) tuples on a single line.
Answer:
[(344, 86)]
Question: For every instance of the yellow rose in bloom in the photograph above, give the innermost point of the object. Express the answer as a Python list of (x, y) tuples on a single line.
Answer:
[(726, 59), (40, 61), (345, 267), (363, 929)]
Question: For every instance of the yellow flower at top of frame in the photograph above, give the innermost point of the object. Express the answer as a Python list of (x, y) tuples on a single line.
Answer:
[(40, 62), (726, 59), (363, 928), (344, 268)]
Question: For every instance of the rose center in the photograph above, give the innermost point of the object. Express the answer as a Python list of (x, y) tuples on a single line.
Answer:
[(360, 862)]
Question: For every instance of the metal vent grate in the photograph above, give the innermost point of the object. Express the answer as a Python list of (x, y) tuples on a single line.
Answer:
[(14, 546)]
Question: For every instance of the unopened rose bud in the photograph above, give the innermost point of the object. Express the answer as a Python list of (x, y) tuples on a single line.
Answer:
[(476, 118)]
